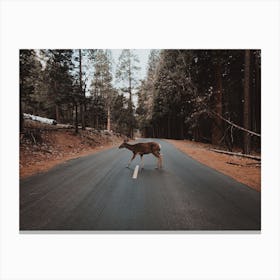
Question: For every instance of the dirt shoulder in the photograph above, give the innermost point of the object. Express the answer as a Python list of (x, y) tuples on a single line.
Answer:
[(243, 170), (43, 147)]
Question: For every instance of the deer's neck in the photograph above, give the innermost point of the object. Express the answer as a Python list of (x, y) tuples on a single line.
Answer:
[(129, 146)]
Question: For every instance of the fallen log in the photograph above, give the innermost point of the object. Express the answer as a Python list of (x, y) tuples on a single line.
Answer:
[(245, 165), (236, 154), (39, 119), (237, 164)]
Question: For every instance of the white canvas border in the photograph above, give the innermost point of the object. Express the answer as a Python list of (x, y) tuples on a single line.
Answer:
[(157, 24)]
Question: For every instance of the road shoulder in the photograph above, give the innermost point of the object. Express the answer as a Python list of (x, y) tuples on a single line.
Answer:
[(242, 170)]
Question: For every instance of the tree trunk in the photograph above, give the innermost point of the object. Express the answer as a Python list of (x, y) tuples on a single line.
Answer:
[(82, 109), (168, 128), (217, 123), (130, 123), (108, 119), (258, 92), (129, 82), (57, 114), (257, 104), (182, 130), (76, 118), (70, 114), (246, 104), (21, 121), (130, 100)]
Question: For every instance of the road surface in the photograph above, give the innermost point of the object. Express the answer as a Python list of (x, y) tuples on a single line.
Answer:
[(97, 192)]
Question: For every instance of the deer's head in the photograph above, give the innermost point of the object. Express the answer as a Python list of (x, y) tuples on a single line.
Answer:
[(123, 144)]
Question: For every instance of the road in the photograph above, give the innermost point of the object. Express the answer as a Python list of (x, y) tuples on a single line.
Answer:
[(97, 192)]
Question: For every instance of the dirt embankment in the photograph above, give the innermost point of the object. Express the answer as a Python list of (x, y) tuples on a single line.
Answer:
[(44, 146), (244, 170)]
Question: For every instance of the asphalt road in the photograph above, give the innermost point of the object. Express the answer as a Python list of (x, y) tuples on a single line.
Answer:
[(97, 192)]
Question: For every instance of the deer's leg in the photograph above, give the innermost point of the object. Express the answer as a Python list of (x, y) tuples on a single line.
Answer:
[(142, 163), (160, 160), (158, 156), (133, 157)]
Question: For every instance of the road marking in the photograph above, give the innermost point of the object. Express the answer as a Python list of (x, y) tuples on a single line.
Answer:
[(135, 173)]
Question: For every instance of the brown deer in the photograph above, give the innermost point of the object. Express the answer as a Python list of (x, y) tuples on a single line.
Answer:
[(142, 149)]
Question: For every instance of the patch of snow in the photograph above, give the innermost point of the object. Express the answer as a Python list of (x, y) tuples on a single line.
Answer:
[(39, 119)]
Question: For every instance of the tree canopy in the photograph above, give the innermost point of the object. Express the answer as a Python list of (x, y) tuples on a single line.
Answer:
[(210, 96)]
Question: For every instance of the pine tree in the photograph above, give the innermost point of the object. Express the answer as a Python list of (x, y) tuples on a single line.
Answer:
[(146, 95), (174, 91), (30, 69), (59, 79), (102, 81), (127, 70)]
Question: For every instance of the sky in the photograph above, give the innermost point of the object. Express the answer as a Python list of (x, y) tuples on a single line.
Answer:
[(143, 55)]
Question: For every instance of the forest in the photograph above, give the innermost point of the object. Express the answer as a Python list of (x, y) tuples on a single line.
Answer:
[(211, 96)]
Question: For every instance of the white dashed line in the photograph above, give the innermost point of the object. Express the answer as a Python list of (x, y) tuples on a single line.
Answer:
[(135, 173)]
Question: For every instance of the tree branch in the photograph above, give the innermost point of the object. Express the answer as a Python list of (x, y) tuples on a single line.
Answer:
[(235, 125)]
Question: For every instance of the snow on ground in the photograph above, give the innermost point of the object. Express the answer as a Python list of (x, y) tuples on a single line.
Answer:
[(39, 119)]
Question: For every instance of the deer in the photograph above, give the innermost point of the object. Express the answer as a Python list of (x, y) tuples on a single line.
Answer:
[(142, 149)]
